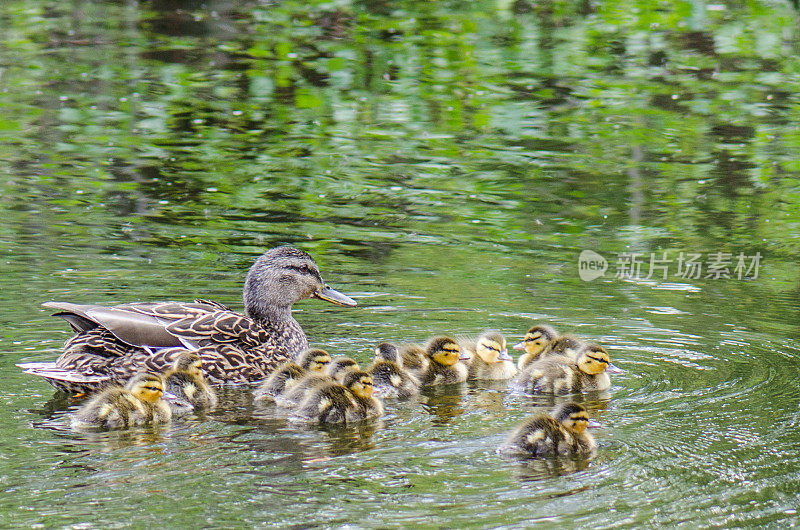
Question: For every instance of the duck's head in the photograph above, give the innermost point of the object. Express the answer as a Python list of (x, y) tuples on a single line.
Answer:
[(572, 416), (593, 359), (359, 383), (387, 352), (491, 347), (536, 339), (314, 360), (443, 351), (340, 366), (146, 387), (282, 276), (188, 362)]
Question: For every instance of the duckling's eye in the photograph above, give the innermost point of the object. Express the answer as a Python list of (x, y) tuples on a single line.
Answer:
[(451, 350), (490, 347), (533, 338), (597, 359), (153, 388)]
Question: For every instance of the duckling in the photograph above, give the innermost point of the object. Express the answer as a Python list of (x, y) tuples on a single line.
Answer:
[(336, 403), (565, 345), (340, 366), (563, 432), (561, 375), (362, 386), (390, 379), (413, 359), (185, 381), (491, 359), (284, 376), (536, 340), (138, 403), (315, 362), (444, 366)]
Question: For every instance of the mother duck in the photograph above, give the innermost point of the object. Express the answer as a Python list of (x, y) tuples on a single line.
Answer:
[(112, 343)]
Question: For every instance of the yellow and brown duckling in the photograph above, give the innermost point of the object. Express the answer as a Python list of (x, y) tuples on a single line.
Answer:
[(315, 362), (444, 365), (339, 367), (536, 340), (362, 386), (558, 374), (563, 432), (565, 345), (491, 360), (336, 403), (390, 379), (185, 382), (139, 402), (413, 359), (283, 377), (112, 343)]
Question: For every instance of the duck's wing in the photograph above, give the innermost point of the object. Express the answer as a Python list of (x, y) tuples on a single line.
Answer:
[(211, 303), (159, 324), (219, 327), (131, 323)]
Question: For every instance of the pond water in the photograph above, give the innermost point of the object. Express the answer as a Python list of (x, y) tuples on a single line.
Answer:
[(446, 163)]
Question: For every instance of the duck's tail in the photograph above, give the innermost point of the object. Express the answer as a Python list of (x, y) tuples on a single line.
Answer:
[(64, 379)]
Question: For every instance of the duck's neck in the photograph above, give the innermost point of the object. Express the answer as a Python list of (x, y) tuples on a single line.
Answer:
[(269, 314), (279, 322)]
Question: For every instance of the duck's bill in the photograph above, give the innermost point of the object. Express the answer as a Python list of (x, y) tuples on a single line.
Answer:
[(519, 345), (335, 297), (611, 369), (594, 424), (465, 356), (504, 356)]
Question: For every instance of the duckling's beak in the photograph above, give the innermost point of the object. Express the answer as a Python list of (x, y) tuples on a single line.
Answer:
[(519, 345), (177, 402), (464, 356), (504, 356), (335, 297), (611, 369), (594, 424)]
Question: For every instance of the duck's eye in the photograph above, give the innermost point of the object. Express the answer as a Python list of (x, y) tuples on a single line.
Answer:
[(302, 269), (532, 339), (152, 388)]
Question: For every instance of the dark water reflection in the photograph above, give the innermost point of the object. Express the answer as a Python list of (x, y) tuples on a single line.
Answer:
[(446, 163)]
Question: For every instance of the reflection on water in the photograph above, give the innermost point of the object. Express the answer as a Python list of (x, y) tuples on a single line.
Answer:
[(535, 469), (444, 402), (446, 163)]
